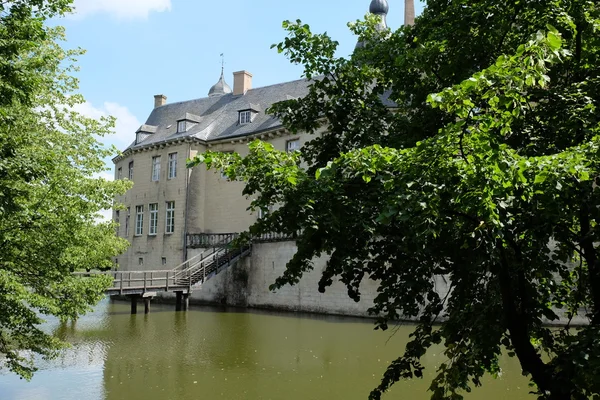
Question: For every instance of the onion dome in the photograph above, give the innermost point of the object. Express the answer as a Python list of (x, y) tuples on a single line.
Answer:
[(220, 88), (379, 8)]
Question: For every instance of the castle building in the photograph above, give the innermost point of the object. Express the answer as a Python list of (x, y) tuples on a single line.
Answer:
[(169, 203)]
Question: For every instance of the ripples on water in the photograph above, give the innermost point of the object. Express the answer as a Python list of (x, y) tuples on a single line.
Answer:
[(211, 354)]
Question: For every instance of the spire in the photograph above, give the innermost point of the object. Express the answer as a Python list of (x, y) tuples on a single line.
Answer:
[(379, 8), (409, 12), (221, 87)]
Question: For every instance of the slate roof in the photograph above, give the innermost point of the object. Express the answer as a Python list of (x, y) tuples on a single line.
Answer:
[(217, 117)]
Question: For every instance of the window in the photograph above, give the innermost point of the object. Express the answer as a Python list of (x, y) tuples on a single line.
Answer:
[(127, 221), (117, 219), (170, 220), (130, 171), (245, 117), (119, 173), (155, 168), (140, 261), (172, 165), (141, 137), (139, 220), (153, 228), (262, 213), (181, 126), (223, 175), (164, 261), (292, 145)]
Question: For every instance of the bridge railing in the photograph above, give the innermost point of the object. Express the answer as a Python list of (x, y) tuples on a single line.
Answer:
[(206, 240), (210, 240), (144, 281)]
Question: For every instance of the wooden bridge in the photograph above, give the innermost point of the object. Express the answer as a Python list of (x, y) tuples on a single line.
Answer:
[(182, 280)]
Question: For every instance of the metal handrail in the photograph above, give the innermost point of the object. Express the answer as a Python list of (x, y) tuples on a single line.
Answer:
[(218, 247), (199, 265), (201, 256)]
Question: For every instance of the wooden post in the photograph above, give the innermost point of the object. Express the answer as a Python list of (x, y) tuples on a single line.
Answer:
[(133, 304), (186, 301), (147, 305), (178, 298)]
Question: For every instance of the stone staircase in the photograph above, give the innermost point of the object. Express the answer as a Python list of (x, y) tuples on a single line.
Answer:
[(198, 269)]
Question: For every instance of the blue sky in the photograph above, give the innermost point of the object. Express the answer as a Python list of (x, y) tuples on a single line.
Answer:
[(139, 48)]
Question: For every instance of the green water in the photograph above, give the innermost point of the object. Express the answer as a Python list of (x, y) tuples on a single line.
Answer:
[(210, 353)]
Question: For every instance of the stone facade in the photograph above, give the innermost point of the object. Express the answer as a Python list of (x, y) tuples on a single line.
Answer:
[(205, 201)]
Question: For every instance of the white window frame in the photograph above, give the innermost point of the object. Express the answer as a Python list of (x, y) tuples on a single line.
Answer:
[(153, 222), (172, 166), (292, 145), (245, 117), (139, 220), (181, 126), (155, 168), (130, 176), (262, 213), (170, 217)]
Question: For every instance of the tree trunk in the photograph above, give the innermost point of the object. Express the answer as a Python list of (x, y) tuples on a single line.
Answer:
[(516, 323)]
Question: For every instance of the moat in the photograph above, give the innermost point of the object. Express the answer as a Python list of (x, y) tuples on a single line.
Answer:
[(211, 353)]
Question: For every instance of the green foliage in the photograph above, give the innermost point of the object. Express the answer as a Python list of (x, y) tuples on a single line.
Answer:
[(49, 197), (485, 173)]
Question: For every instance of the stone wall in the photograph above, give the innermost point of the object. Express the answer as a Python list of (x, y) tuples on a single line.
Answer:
[(246, 284)]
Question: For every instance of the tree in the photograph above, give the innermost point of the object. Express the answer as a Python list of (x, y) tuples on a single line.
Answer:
[(485, 172), (49, 197)]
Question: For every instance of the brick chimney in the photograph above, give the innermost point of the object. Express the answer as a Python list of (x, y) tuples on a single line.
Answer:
[(160, 100), (242, 82), (409, 12)]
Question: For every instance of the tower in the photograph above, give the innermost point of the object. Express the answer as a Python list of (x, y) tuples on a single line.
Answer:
[(409, 12), (379, 8)]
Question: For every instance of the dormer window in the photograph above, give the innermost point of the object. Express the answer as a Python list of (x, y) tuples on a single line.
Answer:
[(245, 117), (186, 122), (144, 132)]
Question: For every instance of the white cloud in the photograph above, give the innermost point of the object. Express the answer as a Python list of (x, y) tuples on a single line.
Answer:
[(125, 126), (106, 214), (124, 133), (121, 9)]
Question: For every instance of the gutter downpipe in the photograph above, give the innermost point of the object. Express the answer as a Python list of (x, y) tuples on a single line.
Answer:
[(187, 200)]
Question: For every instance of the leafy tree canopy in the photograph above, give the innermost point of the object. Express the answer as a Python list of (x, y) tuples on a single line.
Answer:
[(485, 171), (49, 195)]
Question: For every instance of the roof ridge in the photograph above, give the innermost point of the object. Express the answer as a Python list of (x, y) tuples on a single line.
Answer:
[(231, 94)]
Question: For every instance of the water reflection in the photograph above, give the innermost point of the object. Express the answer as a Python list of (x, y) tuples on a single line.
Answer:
[(209, 353)]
